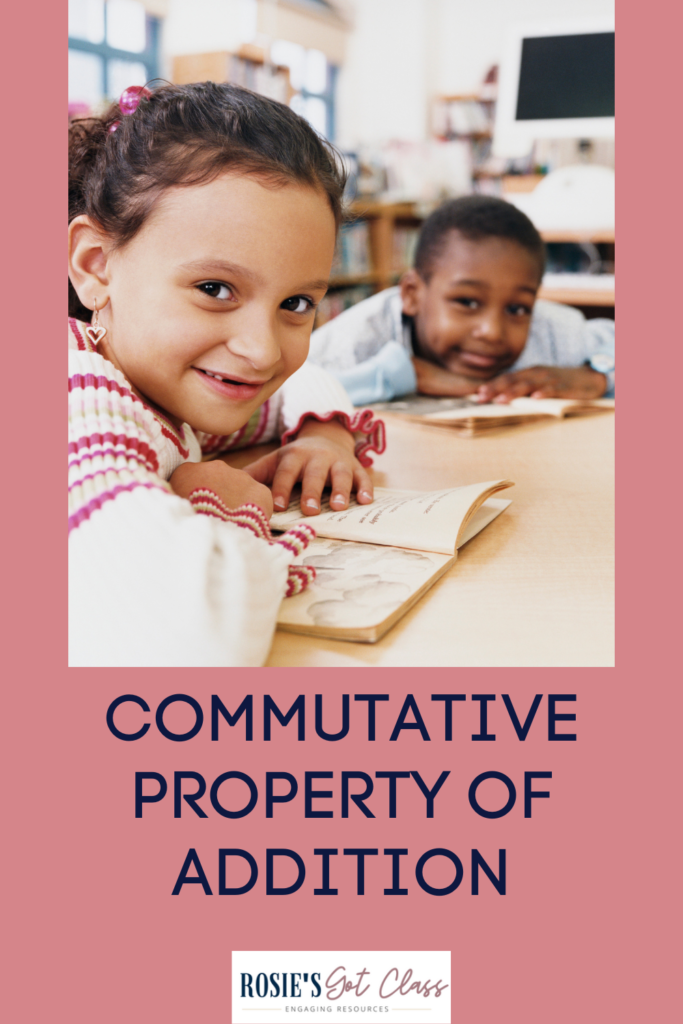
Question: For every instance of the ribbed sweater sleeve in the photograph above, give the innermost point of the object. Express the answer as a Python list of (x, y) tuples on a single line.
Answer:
[(313, 393), (156, 580)]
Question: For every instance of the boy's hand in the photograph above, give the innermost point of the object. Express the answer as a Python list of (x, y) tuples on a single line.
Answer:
[(321, 453), (544, 382), (233, 486), (435, 380)]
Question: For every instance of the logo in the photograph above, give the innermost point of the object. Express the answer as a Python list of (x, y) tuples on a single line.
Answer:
[(330, 986)]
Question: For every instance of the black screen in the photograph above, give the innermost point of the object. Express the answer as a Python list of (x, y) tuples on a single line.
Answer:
[(566, 76)]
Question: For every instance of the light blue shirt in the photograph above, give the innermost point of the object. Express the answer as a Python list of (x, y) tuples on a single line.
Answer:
[(369, 346)]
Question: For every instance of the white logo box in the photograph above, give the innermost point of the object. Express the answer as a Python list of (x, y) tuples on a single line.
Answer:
[(397, 987)]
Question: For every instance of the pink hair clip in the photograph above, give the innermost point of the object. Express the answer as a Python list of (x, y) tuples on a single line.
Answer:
[(130, 101), (130, 98)]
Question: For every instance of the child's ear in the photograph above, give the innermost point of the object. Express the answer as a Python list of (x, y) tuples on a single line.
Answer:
[(88, 270), (412, 287)]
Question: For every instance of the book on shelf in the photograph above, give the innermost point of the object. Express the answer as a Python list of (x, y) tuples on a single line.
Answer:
[(352, 255), (470, 418), (404, 244), (335, 302), (374, 562), (247, 68), (464, 116), (260, 77)]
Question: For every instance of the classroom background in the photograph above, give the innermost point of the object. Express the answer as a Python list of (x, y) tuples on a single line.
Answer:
[(424, 99)]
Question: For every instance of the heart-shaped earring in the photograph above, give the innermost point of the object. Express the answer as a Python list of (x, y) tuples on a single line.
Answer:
[(95, 331)]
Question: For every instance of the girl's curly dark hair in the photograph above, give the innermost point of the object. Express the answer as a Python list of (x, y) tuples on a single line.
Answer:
[(185, 135)]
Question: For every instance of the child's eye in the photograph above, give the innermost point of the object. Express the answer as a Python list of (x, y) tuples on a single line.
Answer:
[(468, 303), (519, 310), (297, 304), (215, 290)]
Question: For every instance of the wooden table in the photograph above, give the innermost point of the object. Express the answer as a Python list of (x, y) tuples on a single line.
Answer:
[(536, 587)]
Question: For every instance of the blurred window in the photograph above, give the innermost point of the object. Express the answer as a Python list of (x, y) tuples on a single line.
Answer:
[(85, 77), (126, 25), (322, 6), (123, 73), (112, 44), (86, 20), (313, 79)]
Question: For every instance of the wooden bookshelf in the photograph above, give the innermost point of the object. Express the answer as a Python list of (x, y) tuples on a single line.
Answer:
[(579, 296), (247, 67), (515, 183), (382, 219), (595, 237), (474, 120), (348, 280), (372, 208)]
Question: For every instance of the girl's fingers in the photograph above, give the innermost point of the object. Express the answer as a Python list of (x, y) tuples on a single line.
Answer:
[(285, 470), (341, 478), (315, 477), (263, 469), (364, 489), (286, 475)]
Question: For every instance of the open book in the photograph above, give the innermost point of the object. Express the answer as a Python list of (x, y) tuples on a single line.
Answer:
[(373, 562), (470, 418)]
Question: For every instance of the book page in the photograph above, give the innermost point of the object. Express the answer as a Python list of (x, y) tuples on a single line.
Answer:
[(357, 586), (452, 410), (419, 520), (484, 515), (425, 405), (517, 407)]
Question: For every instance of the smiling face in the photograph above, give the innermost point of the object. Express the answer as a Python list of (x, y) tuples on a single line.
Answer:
[(211, 304), (473, 315)]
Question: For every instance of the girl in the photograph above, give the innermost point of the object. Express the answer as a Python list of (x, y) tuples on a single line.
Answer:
[(202, 227)]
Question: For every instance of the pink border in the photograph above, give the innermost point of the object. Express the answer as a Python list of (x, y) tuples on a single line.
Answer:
[(73, 955)]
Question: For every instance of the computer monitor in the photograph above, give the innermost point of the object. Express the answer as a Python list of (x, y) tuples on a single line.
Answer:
[(556, 81)]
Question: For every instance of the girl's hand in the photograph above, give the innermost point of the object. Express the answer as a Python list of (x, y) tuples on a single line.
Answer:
[(233, 486), (544, 382), (435, 380), (322, 453)]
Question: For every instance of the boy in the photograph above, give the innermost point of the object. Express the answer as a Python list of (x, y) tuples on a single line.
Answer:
[(465, 320)]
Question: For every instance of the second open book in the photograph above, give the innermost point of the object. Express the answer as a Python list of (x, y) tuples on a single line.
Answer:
[(373, 562), (470, 418)]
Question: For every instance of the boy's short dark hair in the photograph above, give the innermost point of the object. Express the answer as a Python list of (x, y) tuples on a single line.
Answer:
[(476, 217)]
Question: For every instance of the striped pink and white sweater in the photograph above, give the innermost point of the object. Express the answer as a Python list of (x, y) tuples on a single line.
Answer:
[(157, 580)]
